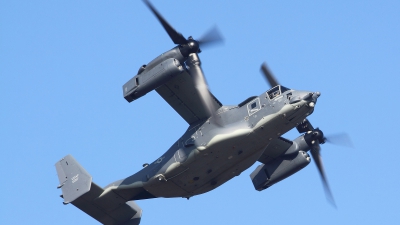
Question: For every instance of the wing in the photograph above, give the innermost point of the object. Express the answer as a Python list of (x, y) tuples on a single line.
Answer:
[(276, 148), (180, 93)]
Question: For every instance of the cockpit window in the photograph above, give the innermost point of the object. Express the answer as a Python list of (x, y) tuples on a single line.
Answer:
[(276, 91), (284, 89)]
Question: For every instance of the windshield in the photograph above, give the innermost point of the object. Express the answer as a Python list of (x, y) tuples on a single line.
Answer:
[(284, 89), (276, 91)]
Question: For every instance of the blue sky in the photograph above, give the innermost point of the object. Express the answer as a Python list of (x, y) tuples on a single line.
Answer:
[(63, 63)]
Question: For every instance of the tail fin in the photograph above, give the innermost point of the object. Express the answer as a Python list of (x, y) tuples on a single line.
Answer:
[(107, 207)]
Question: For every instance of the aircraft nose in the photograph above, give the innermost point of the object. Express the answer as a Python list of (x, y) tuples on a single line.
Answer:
[(315, 95), (305, 95)]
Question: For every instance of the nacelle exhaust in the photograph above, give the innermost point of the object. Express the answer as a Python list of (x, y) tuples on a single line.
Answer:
[(265, 175), (150, 79)]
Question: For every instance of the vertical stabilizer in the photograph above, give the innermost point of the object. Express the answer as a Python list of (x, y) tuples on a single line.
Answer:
[(107, 207), (74, 179)]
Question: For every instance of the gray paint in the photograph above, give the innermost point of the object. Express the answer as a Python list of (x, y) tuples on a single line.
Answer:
[(219, 144), (105, 206), (213, 151), (268, 174), (151, 78)]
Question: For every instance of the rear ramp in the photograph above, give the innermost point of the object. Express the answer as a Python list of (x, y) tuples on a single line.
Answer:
[(105, 206)]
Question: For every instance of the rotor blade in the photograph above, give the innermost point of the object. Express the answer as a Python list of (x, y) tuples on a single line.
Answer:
[(200, 82), (176, 37), (315, 152), (341, 139), (305, 126), (213, 36), (268, 75)]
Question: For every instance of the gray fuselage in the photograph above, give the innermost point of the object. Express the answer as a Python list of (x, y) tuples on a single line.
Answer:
[(214, 151)]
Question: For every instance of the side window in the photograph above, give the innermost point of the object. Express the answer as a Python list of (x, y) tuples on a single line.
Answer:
[(253, 106)]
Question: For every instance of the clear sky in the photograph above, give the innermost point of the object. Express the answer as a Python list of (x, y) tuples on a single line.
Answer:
[(63, 63)]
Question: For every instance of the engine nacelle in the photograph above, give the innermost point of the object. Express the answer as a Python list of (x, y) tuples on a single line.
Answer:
[(151, 78), (265, 175)]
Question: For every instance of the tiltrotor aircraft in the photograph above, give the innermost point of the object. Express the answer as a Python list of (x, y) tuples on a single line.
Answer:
[(220, 143)]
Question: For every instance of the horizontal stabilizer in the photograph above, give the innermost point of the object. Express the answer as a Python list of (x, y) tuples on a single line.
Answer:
[(107, 207)]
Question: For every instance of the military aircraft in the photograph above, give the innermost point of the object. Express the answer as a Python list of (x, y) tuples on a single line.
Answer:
[(220, 143)]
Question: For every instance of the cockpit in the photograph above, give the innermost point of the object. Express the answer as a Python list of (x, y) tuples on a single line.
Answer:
[(276, 91)]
